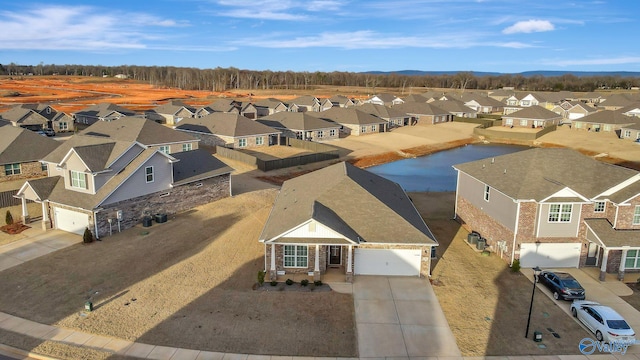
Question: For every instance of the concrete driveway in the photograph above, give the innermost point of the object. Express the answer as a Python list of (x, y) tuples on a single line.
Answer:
[(605, 293), (36, 244), (400, 317)]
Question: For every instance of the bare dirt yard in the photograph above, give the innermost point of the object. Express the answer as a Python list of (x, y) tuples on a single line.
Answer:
[(185, 283), (485, 303)]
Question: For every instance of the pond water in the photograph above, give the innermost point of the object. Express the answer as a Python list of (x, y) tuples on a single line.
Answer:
[(434, 172)]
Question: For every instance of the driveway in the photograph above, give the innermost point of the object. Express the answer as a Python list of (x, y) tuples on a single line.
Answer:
[(400, 317), (601, 292), (36, 244)]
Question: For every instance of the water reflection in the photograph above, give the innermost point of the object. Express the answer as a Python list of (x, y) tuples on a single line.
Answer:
[(435, 172)]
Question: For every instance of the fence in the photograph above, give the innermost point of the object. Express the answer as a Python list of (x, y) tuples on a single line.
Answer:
[(7, 199), (482, 122), (513, 135), (322, 152)]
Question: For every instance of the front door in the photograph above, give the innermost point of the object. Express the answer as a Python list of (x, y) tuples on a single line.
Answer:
[(592, 255), (335, 255)]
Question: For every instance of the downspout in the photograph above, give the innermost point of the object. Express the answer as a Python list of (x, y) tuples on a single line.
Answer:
[(95, 224), (615, 220), (455, 206), (515, 234)]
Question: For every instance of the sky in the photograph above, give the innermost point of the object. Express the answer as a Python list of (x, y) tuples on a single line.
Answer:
[(506, 36)]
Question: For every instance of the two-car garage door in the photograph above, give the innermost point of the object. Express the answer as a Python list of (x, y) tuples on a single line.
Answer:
[(550, 255), (399, 262), (71, 221)]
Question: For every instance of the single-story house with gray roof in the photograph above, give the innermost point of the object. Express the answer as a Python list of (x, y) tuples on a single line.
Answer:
[(229, 130), (604, 121), (534, 116), (302, 126), (347, 220), (553, 208), (21, 151)]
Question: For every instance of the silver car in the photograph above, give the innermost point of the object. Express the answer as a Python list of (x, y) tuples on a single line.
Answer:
[(604, 322)]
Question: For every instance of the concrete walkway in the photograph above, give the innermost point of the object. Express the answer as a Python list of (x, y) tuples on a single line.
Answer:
[(36, 244)]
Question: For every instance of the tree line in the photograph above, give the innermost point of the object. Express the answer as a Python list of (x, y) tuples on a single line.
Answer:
[(222, 79)]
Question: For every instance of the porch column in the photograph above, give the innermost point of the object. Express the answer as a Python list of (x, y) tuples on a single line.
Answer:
[(25, 211), (622, 260), (273, 274), (603, 266), (316, 266), (45, 216), (349, 276)]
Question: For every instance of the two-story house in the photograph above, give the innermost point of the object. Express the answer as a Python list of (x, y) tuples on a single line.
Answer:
[(109, 185), (21, 151), (553, 208), (101, 112), (171, 113)]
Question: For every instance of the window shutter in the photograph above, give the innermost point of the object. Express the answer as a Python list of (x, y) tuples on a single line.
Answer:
[(86, 184)]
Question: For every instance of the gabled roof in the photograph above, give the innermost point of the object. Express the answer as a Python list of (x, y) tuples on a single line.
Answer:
[(534, 112), (104, 109), (382, 111), (18, 145), (43, 186), (270, 103), (612, 238), (609, 117), (630, 107), (305, 100), (225, 124), (385, 97), (23, 116), (453, 106), (95, 156), (222, 105), (537, 174), (350, 115), (361, 206), (173, 107), (620, 100), (339, 99), (420, 109), (133, 128), (482, 100), (112, 152), (296, 121), (197, 165), (415, 98)]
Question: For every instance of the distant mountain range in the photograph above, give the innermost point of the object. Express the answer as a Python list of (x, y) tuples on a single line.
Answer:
[(545, 73)]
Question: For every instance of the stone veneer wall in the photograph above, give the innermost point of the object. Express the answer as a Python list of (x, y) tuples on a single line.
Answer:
[(28, 170), (169, 202)]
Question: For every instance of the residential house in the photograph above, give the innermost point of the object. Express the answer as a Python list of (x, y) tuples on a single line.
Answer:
[(616, 101), (501, 94), (455, 108), (605, 121), (302, 126), (553, 208), (108, 185), (533, 117), (21, 151), (424, 113), (101, 112), (393, 116), (37, 117), (353, 121), (305, 103), (347, 220), (592, 98), (512, 104), (631, 132), (482, 104), (230, 130), (631, 110), (385, 99), (337, 101), (231, 106), (144, 131), (270, 106), (571, 110), (415, 98), (171, 113)]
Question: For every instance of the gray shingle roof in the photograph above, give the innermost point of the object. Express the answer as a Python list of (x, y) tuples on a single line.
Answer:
[(611, 237), (453, 106), (360, 205), (79, 141), (381, 111), (609, 117), (132, 128), (420, 109), (226, 124), (197, 165), (534, 112), (44, 186), (18, 145), (539, 173), (172, 107), (296, 121), (103, 110), (350, 115), (24, 116)]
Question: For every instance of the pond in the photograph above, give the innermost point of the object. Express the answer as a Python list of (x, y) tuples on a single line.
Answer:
[(434, 172)]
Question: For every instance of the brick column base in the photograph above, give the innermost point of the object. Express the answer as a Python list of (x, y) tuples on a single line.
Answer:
[(602, 276), (316, 276), (621, 275), (46, 225), (273, 275), (349, 277)]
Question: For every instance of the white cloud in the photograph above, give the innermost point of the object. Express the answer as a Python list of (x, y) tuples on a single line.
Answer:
[(277, 9), (529, 26)]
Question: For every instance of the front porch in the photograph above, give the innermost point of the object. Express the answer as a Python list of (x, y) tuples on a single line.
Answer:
[(331, 276)]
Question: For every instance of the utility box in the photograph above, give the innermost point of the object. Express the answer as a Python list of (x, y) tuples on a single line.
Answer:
[(472, 238), (537, 336), (480, 245), (88, 306)]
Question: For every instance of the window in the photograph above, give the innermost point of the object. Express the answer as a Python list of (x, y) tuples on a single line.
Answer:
[(259, 140), (44, 167), (165, 149), (363, 129), (12, 169), (374, 128), (242, 142), (560, 212), (607, 127), (508, 122), (627, 134), (632, 261), (486, 192), (78, 179), (636, 216), (599, 206), (187, 147), (63, 126), (295, 256), (523, 122), (332, 132), (320, 134), (148, 172)]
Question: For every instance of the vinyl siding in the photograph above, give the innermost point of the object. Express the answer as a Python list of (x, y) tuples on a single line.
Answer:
[(499, 207)]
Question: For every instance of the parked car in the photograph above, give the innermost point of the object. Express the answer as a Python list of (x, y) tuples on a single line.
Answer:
[(562, 285), (49, 132), (604, 322)]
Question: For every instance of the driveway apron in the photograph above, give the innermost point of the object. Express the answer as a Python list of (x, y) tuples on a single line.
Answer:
[(400, 317)]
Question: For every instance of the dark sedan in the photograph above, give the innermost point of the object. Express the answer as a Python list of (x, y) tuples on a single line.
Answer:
[(562, 285)]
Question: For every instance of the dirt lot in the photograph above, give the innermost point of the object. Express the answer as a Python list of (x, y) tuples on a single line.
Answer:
[(187, 283), (485, 303)]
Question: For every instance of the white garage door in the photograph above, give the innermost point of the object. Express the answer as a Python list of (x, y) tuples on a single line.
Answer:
[(71, 221), (550, 255), (387, 262)]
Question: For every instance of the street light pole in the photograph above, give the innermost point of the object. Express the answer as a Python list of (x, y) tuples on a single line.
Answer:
[(536, 271)]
